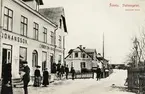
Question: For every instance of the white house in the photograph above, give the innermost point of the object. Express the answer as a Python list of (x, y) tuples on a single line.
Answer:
[(28, 35), (81, 58)]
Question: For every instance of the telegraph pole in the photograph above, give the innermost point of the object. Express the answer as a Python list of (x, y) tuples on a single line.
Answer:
[(103, 45), (103, 57)]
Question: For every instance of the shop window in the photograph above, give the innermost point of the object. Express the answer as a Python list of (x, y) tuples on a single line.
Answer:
[(44, 60), (34, 58), (8, 19), (24, 25), (59, 61), (22, 57)]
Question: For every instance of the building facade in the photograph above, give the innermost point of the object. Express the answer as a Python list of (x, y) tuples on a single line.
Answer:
[(82, 58), (27, 35)]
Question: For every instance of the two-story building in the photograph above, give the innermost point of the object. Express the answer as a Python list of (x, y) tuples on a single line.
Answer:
[(28, 35), (82, 58)]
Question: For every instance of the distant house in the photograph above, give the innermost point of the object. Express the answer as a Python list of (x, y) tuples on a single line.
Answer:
[(104, 63), (81, 58)]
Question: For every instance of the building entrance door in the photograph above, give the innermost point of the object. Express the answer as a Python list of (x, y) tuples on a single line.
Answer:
[(6, 70), (6, 58), (51, 62)]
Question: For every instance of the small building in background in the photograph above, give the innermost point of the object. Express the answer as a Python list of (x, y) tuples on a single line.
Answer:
[(82, 59)]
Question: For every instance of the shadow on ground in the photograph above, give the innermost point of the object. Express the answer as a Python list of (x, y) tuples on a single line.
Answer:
[(120, 88)]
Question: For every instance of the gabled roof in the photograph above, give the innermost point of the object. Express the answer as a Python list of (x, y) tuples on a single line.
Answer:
[(55, 14), (101, 58), (86, 51), (90, 50)]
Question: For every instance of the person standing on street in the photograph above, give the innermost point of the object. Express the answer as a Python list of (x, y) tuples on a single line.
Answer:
[(98, 73), (26, 77), (45, 77), (66, 71), (37, 77), (73, 73), (7, 81)]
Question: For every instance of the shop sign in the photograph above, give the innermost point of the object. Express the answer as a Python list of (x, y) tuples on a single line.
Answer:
[(44, 46), (47, 47), (13, 38)]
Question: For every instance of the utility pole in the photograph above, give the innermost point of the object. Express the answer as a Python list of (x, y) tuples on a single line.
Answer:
[(103, 45), (103, 57), (1, 28)]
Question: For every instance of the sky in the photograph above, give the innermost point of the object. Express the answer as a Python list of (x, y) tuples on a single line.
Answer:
[(87, 20)]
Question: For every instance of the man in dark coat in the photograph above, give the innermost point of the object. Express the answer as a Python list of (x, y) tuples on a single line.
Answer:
[(98, 73), (66, 71), (45, 77), (7, 81), (73, 73), (26, 77)]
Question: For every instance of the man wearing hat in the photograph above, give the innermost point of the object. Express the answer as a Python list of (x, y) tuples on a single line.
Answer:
[(26, 76)]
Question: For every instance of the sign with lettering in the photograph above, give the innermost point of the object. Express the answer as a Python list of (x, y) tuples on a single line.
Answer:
[(13, 38), (47, 48), (44, 46)]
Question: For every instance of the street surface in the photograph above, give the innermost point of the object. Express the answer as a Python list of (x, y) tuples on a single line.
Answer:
[(111, 85)]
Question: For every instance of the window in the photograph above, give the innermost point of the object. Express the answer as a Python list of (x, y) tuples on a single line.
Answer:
[(83, 64), (52, 38), (22, 57), (34, 59), (84, 55), (70, 56), (44, 60), (59, 40), (24, 24), (76, 54), (71, 64), (60, 23), (59, 61), (36, 30), (45, 35), (8, 19)]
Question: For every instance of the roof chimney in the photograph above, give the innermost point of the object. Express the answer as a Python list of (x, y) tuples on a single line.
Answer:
[(81, 46), (84, 47)]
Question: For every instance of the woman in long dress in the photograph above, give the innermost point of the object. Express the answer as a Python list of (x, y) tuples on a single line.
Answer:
[(45, 77), (37, 77)]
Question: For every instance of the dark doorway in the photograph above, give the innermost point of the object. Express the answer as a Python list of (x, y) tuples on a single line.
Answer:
[(6, 57), (51, 62)]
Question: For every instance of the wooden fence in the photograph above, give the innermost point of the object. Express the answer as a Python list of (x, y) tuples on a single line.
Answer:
[(136, 79), (81, 75)]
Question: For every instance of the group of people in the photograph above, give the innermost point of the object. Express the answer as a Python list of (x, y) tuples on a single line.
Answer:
[(64, 70), (38, 77), (25, 74)]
